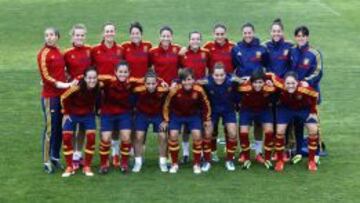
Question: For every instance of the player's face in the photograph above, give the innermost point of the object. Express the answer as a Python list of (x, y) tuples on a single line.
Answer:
[(50, 37), (166, 38), (78, 37), (301, 39), (150, 84), (109, 33), (258, 85), (219, 76), (195, 41), (135, 35), (276, 33), (220, 35), (91, 79), (188, 82), (248, 34), (122, 73), (291, 84)]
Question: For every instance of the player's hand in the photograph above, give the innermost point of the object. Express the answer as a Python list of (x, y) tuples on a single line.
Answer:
[(164, 85), (202, 82), (173, 85), (207, 124), (182, 51), (74, 82), (164, 126), (269, 83), (304, 84)]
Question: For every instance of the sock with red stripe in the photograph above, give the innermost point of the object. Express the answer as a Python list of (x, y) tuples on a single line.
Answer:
[(245, 145), (89, 148), (207, 149), (230, 148), (125, 147), (268, 145), (173, 148), (280, 146), (313, 141), (68, 147), (197, 151), (104, 151)]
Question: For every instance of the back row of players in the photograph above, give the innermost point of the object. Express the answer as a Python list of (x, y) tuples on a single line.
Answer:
[(171, 86)]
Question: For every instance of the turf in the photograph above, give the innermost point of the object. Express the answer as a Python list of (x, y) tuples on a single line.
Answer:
[(333, 31)]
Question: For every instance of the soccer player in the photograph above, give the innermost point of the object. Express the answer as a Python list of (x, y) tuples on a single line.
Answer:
[(116, 114), (219, 51), (255, 106), (220, 89), (296, 101), (306, 61), (187, 104), (248, 55), (77, 60), (52, 71), (149, 103), (106, 56), (165, 58), (78, 104), (136, 51)]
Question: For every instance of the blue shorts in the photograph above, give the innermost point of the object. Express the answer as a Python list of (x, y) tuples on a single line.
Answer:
[(142, 122), (227, 117), (285, 115), (111, 122), (191, 122), (86, 122), (248, 116)]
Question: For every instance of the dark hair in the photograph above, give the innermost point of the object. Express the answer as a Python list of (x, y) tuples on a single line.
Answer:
[(82, 83), (150, 74), (219, 65), (257, 74), (122, 63), (55, 30), (136, 25), (184, 73), (108, 23), (303, 29), (195, 32), (278, 22), (219, 25), (291, 74), (166, 27), (248, 25)]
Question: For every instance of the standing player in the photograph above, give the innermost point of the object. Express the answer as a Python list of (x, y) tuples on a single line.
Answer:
[(150, 99), (77, 59), (187, 104), (106, 56), (307, 63), (52, 70), (296, 101), (219, 51), (78, 104), (165, 58), (248, 55)]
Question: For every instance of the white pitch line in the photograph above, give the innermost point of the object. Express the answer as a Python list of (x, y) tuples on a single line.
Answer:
[(328, 8)]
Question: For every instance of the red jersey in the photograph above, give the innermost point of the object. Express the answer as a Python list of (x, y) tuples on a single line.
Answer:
[(138, 57), (166, 62), (187, 103), (150, 103), (105, 59), (77, 59), (220, 53), (116, 94), (77, 102), (197, 61), (253, 100), (52, 68)]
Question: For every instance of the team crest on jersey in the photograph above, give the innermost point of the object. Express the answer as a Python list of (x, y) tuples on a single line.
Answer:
[(72, 56), (203, 55), (258, 54), (98, 52), (118, 52), (194, 95), (299, 97), (146, 49), (286, 52), (212, 92), (306, 61), (239, 53), (174, 49), (179, 95), (128, 49), (229, 89), (52, 57)]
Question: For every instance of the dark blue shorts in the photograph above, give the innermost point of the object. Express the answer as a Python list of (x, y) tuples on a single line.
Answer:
[(116, 122), (191, 122), (227, 117), (87, 122), (285, 115), (142, 122), (248, 116)]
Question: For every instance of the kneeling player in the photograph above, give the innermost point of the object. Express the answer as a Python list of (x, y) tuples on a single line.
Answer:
[(78, 105), (187, 104), (150, 99), (296, 102)]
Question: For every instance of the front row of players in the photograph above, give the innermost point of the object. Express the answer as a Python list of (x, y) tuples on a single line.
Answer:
[(193, 104)]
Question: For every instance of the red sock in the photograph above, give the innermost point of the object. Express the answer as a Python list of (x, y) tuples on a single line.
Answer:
[(197, 151), (125, 149), (68, 147), (231, 148), (173, 148), (268, 145), (89, 148), (104, 152), (313, 141), (245, 145), (207, 149), (280, 146)]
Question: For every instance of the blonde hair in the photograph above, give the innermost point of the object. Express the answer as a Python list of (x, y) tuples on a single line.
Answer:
[(77, 26)]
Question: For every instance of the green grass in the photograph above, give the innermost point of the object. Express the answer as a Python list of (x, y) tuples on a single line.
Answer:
[(334, 29)]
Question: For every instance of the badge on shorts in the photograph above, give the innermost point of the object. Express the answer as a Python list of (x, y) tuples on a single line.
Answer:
[(194, 95), (286, 52), (258, 54), (306, 61)]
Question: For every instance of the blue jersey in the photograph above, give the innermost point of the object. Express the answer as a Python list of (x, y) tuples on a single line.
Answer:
[(278, 60), (222, 97), (307, 62), (248, 57)]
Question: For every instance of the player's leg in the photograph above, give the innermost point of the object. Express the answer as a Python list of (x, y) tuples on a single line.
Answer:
[(90, 134), (197, 142), (229, 122), (115, 150), (268, 144), (258, 144), (311, 124), (56, 132), (215, 121), (125, 126), (162, 141), (284, 117), (206, 145), (45, 103), (245, 145), (78, 143), (141, 125), (107, 126), (185, 144), (68, 131)]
